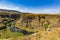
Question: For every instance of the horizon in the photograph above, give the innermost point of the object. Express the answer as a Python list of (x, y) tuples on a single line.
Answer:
[(31, 6)]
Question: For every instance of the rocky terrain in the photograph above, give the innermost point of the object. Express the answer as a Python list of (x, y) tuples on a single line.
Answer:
[(16, 25)]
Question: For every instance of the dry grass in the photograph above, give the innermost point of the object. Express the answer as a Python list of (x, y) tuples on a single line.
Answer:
[(54, 34)]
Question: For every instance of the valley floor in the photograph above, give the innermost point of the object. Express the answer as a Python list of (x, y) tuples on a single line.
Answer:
[(54, 34)]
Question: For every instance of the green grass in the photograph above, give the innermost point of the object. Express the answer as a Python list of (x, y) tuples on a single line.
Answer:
[(8, 34), (46, 25), (31, 27)]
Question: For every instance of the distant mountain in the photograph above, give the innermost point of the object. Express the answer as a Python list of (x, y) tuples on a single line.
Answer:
[(6, 10)]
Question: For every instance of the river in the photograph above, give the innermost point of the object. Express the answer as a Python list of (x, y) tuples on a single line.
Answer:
[(15, 29)]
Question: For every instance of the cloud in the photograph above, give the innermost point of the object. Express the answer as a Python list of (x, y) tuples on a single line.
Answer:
[(44, 10), (31, 10), (49, 10), (8, 7)]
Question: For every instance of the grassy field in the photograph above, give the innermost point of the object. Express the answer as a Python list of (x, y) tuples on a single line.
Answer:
[(6, 33)]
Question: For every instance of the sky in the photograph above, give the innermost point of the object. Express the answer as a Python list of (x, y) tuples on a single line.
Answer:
[(32, 6)]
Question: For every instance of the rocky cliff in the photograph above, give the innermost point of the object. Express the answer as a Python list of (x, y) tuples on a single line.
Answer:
[(42, 26), (33, 22)]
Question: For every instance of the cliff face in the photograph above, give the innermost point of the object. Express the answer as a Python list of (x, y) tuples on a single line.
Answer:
[(33, 22), (29, 21), (43, 26)]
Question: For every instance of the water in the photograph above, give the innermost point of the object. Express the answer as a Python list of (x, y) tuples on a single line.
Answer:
[(14, 29)]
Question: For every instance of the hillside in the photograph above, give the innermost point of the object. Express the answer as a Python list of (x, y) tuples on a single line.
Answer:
[(26, 26)]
